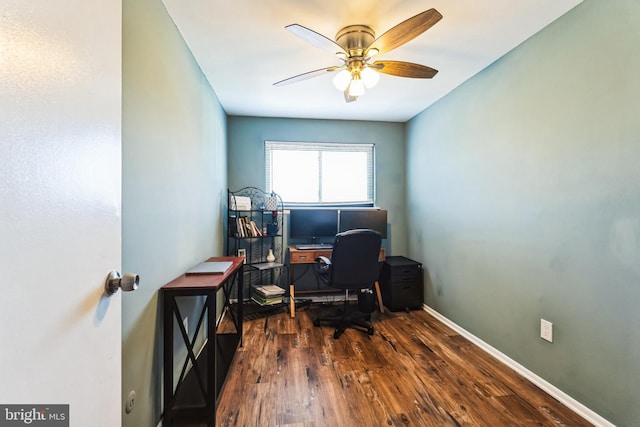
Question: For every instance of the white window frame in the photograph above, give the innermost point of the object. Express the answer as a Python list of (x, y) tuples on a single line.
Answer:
[(368, 148)]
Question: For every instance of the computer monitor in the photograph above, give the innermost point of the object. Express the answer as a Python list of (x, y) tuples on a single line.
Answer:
[(313, 223), (374, 219)]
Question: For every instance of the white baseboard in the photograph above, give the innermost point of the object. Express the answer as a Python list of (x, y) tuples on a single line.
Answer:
[(546, 386)]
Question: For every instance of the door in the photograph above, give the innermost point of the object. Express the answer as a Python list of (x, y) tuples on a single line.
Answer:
[(60, 175)]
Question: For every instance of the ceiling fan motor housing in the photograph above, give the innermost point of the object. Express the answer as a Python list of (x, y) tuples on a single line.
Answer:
[(355, 39)]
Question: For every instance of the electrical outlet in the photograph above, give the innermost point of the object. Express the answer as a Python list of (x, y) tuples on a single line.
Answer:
[(546, 330)]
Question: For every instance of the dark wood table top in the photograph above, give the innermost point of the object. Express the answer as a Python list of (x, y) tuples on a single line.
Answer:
[(205, 282)]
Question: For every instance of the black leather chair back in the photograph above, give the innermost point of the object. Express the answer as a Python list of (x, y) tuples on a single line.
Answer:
[(354, 260)]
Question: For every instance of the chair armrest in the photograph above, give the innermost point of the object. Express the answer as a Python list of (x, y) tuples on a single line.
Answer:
[(323, 267), (323, 260)]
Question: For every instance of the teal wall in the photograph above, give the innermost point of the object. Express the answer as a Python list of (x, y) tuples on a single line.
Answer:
[(524, 203), (174, 184), (246, 157)]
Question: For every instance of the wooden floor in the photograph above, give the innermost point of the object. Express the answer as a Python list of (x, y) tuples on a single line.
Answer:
[(414, 371)]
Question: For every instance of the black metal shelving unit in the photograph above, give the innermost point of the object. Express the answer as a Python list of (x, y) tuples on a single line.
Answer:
[(246, 208)]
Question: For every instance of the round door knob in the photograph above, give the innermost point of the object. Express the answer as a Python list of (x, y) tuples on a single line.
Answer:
[(128, 282)]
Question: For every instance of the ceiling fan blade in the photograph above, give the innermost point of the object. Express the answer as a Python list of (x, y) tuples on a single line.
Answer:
[(315, 39), (305, 76), (405, 69), (406, 31)]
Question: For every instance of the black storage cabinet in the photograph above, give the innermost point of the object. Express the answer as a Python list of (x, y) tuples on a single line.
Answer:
[(401, 281)]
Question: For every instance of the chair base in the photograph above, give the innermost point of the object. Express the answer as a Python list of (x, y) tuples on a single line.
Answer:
[(347, 319)]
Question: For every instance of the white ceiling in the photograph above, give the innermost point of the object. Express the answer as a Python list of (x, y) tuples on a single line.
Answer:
[(243, 48)]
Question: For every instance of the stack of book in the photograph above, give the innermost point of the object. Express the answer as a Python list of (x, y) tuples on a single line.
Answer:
[(243, 226), (268, 295)]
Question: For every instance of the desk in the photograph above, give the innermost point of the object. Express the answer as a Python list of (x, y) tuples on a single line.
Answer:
[(308, 256), (195, 395)]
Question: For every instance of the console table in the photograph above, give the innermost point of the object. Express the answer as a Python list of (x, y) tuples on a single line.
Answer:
[(194, 397), (308, 256)]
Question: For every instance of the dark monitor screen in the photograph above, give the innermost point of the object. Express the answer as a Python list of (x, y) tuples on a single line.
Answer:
[(374, 219), (313, 223)]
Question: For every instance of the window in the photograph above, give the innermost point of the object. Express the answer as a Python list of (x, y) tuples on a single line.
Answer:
[(310, 173)]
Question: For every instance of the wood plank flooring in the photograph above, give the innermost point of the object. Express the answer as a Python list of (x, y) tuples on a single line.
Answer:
[(414, 371)]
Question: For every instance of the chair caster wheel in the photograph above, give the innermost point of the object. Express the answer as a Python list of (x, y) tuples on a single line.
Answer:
[(336, 334), (316, 323), (370, 330)]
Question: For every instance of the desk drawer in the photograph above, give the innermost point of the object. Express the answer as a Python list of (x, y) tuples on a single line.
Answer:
[(407, 296), (404, 274), (302, 257), (305, 257)]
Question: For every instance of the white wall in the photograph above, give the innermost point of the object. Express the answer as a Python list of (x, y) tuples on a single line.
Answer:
[(60, 115)]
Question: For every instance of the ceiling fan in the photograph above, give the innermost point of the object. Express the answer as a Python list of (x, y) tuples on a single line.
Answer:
[(356, 45)]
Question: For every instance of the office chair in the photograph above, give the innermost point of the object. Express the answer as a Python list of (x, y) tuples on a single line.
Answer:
[(354, 265)]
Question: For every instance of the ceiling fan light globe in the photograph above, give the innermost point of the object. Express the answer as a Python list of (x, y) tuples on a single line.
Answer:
[(341, 80), (370, 77), (356, 88)]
